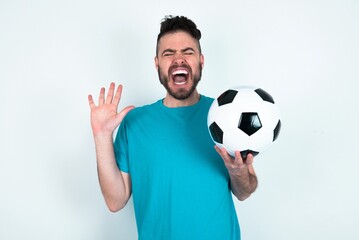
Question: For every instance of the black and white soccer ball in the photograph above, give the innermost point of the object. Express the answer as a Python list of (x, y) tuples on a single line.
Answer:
[(244, 119)]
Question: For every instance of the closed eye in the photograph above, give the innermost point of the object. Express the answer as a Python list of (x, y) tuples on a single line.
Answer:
[(188, 51), (168, 53), (171, 52)]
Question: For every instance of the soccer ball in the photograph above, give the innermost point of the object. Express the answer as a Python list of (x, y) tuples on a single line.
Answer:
[(244, 119)]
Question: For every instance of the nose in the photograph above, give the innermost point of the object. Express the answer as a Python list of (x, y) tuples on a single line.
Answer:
[(179, 59)]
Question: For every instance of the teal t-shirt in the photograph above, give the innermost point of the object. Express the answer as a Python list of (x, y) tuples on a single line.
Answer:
[(180, 186)]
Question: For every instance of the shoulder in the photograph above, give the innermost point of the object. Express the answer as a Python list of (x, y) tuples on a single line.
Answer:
[(139, 112), (206, 101)]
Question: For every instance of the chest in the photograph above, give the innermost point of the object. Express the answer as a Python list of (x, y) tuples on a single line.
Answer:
[(173, 145)]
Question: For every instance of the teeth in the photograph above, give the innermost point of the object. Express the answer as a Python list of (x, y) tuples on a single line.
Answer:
[(181, 71), (180, 83)]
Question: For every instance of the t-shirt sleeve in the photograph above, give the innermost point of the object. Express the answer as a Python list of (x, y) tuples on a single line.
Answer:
[(121, 148)]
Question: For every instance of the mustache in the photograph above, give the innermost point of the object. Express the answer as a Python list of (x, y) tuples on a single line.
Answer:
[(183, 65)]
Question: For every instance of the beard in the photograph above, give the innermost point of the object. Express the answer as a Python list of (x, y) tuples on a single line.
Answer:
[(181, 94)]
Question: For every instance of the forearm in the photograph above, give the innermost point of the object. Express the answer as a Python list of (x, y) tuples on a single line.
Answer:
[(112, 182), (243, 182)]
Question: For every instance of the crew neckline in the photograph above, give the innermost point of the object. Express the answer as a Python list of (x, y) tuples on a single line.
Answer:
[(181, 107)]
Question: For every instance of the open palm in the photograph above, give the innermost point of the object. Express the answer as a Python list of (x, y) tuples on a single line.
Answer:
[(104, 117)]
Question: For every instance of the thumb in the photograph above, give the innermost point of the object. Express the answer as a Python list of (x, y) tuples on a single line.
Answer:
[(122, 114)]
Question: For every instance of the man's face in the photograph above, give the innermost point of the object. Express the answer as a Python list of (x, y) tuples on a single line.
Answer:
[(179, 64)]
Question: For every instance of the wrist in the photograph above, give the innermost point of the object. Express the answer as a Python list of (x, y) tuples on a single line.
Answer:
[(103, 138)]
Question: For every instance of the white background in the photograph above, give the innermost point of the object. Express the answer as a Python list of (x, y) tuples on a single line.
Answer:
[(54, 53)]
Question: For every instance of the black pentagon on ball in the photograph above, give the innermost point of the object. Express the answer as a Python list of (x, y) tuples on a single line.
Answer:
[(249, 123), (216, 132), (226, 97), (276, 130), (264, 95), (244, 153)]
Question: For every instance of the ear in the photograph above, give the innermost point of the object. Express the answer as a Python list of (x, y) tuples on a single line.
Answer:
[(156, 62), (202, 60)]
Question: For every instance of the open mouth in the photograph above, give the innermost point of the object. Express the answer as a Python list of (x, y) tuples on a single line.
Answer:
[(180, 76)]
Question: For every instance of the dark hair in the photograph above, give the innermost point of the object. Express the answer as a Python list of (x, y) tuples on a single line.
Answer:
[(172, 24)]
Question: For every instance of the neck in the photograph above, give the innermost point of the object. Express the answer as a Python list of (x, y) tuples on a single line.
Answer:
[(172, 102)]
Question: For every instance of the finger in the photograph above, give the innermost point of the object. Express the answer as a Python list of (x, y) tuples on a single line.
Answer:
[(110, 93), (218, 149), (249, 159), (118, 94), (238, 157), (91, 103), (224, 155), (101, 99)]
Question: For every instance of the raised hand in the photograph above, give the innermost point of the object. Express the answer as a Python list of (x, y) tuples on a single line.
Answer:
[(104, 117)]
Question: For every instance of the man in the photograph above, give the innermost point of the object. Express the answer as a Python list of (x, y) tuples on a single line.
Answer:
[(163, 154)]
